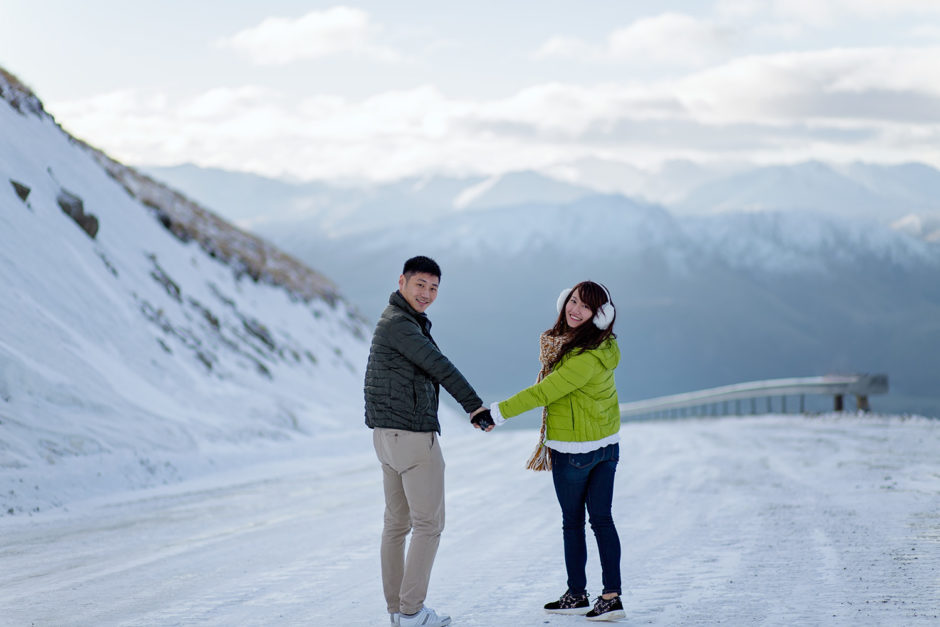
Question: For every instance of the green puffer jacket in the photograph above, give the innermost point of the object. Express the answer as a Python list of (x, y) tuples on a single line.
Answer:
[(579, 393), (405, 370)]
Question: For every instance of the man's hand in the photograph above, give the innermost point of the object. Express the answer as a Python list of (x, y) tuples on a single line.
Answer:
[(482, 420)]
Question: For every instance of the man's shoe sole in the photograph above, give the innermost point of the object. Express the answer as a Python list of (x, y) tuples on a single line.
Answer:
[(442, 623)]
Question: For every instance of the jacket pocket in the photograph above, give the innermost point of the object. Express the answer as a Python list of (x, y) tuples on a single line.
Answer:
[(401, 398), (424, 396)]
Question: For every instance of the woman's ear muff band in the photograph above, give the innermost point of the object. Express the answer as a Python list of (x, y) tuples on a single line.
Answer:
[(562, 298)]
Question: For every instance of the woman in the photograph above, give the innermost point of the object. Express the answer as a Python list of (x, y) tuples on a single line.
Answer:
[(580, 438)]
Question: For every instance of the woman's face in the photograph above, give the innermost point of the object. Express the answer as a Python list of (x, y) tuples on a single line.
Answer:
[(576, 312)]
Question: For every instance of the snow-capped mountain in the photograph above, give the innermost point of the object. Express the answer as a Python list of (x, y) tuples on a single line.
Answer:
[(144, 338), (666, 184), (922, 226), (807, 186), (519, 188), (803, 242), (340, 211), (902, 196), (259, 203), (914, 185), (856, 191)]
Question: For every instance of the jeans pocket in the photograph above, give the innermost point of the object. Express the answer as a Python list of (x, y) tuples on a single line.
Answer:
[(582, 460)]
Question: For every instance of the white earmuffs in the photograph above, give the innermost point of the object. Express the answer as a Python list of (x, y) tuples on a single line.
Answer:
[(562, 298), (605, 314), (602, 317)]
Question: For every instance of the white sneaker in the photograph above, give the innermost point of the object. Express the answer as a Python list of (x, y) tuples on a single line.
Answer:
[(393, 619), (425, 618)]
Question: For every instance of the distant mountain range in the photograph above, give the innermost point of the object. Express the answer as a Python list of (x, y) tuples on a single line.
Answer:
[(769, 272), (905, 196)]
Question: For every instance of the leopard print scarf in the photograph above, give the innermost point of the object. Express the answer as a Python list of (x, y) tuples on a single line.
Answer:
[(549, 350)]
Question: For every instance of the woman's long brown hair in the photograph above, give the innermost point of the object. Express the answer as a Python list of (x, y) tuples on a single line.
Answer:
[(586, 336)]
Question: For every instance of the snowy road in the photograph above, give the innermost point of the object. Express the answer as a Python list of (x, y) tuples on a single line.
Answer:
[(753, 521)]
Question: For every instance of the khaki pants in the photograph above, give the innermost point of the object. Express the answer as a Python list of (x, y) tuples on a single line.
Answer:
[(413, 474)]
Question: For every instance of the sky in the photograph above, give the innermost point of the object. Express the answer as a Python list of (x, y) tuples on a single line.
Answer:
[(374, 91)]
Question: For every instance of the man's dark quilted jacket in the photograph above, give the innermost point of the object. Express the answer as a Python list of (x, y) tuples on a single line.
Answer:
[(405, 371)]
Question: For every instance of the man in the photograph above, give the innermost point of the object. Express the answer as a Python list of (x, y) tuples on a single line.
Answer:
[(402, 383)]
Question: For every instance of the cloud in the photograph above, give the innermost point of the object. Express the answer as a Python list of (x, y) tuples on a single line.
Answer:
[(738, 8), (811, 12), (572, 47), (670, 38), (820, 13), (872, 104), (926, 31), (823, 85), (318, 34), (223, 102)]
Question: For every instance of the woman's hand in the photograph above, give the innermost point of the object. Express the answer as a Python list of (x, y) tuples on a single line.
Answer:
[(482, 420)]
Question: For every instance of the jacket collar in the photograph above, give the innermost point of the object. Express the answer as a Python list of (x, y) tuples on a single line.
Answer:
[(397, 300)]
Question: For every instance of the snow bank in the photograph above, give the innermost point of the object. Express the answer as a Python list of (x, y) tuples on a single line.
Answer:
[(138, 355)]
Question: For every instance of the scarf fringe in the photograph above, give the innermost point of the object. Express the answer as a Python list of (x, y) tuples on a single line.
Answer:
[(549, 347), (540, 460)]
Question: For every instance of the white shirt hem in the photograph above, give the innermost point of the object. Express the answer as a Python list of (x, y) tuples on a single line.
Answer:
[(582, 447)]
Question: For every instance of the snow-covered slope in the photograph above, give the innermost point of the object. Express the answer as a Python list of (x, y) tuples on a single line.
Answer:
[(144, 339)]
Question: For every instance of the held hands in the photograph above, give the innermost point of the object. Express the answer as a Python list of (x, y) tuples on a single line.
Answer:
[(482, 419)]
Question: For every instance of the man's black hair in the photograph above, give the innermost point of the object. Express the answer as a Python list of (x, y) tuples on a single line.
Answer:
[(421, 264)]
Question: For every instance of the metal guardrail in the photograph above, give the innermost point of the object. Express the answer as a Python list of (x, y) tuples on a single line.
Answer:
[(698, 402)]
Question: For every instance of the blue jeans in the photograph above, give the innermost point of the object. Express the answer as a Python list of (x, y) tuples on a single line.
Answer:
[(587, 479)]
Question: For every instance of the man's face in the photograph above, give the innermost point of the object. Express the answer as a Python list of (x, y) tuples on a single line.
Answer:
[(420, 289)]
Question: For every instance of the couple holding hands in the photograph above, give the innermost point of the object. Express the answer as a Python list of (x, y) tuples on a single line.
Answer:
[(578, 442)]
